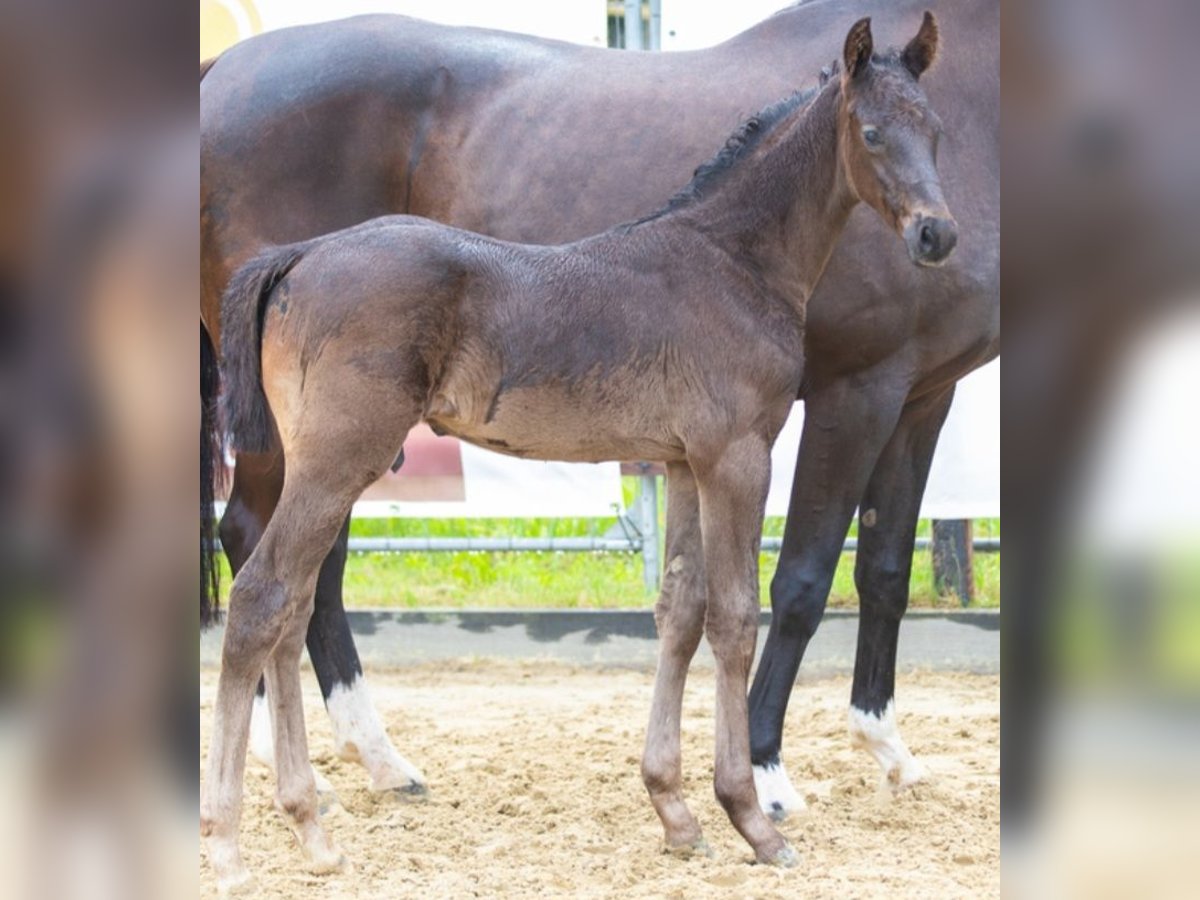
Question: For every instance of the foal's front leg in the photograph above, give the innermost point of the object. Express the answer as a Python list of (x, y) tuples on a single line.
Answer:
[(679, 615), (733, 493)]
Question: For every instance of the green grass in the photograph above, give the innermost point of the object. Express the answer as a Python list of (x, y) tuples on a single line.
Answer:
[(577, 580)]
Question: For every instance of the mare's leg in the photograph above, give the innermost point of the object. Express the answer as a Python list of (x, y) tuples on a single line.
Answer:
[(846, 425), (679, 615), (887, 531), (733, 493), (358, 732)]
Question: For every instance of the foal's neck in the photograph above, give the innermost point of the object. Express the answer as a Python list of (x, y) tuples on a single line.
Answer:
[(783, 207)]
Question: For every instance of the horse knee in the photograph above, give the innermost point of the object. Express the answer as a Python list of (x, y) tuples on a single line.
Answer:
[(299, 802), (733, 790), (798, 596), (257, 615), (680, 604), (659, 775), (882, 585), (731, 632)]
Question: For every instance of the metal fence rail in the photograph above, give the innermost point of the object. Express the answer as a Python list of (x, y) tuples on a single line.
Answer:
[(638, 532), (598, 544)]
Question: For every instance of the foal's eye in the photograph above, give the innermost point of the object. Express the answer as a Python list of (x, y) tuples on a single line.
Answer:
[(872, 136)]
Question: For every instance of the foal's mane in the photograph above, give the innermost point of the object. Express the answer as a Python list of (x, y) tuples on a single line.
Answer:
[(744, 139)]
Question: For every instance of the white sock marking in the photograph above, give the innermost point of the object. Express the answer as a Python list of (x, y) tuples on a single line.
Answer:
[(359, 735), (776, 796), (877, 733), (262, 741)]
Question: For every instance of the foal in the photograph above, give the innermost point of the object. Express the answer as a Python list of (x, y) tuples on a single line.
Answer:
[(678, 338)]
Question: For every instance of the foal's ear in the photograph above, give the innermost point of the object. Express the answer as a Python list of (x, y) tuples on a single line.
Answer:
[(921, 50), (859, 44)]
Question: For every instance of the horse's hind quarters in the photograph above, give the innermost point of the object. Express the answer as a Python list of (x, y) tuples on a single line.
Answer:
[(930, 239)]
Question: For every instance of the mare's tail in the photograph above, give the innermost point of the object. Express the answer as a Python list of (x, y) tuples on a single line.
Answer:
[(211, 472)]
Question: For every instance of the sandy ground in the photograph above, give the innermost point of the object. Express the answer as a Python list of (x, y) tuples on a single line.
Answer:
[(535, 791)]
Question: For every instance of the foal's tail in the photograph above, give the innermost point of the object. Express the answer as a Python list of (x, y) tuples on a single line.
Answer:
[(247, 417), (211, 472)]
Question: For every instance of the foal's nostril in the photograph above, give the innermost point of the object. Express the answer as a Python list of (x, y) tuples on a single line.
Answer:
[(928, 237)]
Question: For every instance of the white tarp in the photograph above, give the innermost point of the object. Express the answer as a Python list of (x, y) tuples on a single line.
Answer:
[(964, 482), (501, 487)]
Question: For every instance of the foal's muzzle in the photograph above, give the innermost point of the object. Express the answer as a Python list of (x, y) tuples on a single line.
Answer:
[(930, 239)]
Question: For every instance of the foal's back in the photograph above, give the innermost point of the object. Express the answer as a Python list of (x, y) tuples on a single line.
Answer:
[(633, 343)]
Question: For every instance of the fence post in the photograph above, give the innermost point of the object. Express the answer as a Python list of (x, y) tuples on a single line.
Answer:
[(647, 513), (633, 25), (953, 559)]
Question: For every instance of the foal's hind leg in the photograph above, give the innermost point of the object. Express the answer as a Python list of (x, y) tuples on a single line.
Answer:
[(296, 790), (269, 609), (257, 483), (269, 606), (679, 615), (733, 493)]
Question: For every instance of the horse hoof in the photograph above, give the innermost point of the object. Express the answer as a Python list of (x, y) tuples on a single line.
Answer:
[(238, 884), (691, 849), (413, 792), (903, 775), (328, 864), (328, 802), (785, 858), (776, 796)]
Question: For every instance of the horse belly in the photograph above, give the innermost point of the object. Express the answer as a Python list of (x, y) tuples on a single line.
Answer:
[(535, 423)]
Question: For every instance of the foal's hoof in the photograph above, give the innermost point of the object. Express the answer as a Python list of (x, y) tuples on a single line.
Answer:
[(785, 858), (689, 850), (328, 802), (238, 884), (328, 864)]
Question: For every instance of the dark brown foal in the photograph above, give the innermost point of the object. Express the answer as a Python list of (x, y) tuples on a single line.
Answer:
[(678, 337)]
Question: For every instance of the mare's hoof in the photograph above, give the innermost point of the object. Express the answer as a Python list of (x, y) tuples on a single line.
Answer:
[(904, 775), (776, 796), (698, 847), (413, 792), (785, 858)]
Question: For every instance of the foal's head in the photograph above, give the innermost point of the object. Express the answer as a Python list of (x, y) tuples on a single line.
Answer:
[(889, 136)]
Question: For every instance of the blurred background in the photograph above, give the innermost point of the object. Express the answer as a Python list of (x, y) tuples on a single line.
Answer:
[(98, 281)]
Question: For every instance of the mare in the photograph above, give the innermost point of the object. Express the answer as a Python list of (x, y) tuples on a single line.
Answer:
[(678, 337), (308, 130)]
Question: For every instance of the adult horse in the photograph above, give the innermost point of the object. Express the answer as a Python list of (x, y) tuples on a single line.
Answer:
[(312, 129), (678, 337)]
